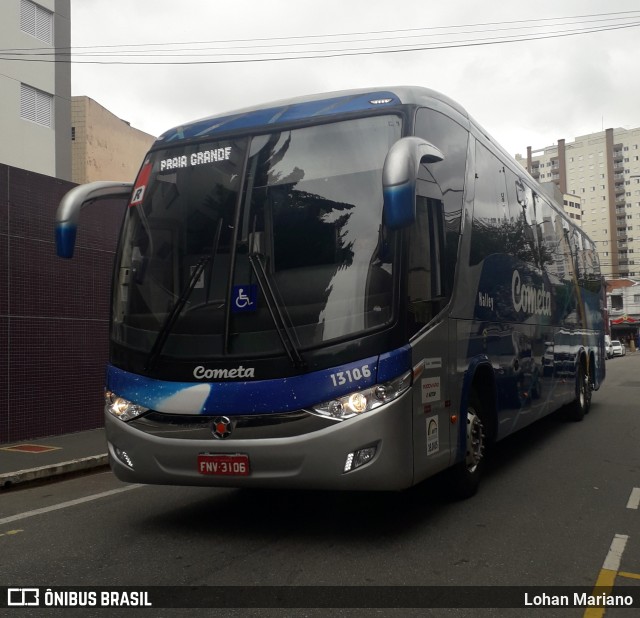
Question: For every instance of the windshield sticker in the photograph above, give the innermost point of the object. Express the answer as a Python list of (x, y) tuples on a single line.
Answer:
[(197, 158), (245, 298), (141, 185)]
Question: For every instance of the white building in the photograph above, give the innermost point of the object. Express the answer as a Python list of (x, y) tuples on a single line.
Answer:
[(603, 170), (35, 97), (623, 305)]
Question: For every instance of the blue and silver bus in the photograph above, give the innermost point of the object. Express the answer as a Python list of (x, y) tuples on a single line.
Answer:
[(354, 290)]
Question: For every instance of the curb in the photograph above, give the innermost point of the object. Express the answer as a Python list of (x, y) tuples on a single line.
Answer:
[(9, 479)]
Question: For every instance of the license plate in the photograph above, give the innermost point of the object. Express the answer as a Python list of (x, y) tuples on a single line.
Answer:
[(223, 465)]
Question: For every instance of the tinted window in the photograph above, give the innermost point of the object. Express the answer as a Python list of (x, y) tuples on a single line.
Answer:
[(493, 229), (444, 181)]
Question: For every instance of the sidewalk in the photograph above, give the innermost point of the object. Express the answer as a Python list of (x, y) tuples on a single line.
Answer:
[(30, 460)]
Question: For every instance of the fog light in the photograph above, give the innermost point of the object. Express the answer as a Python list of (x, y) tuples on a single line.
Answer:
[(359, 458), (123, 457)]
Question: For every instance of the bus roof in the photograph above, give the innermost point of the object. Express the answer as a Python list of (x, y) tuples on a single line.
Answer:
[(308, 107)]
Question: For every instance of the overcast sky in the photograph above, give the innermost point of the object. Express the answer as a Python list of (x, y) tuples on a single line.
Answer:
[(527, 93)]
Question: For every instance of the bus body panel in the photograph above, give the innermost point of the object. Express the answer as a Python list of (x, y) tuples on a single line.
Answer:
[(435, 397)]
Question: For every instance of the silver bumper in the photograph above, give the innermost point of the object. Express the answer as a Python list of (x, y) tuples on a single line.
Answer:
[(313, 460)]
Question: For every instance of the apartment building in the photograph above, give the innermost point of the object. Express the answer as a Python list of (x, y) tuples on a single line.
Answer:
[(35, 97), (603, 170)]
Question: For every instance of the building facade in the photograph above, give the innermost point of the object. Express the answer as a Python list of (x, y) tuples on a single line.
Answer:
[(35, 97), (603, 170), (104, 147), (623, 305)]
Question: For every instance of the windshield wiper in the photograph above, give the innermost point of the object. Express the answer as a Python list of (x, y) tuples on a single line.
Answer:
[(174, 314), (283, 329)]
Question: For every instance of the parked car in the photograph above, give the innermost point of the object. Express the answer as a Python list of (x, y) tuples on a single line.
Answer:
[(617, 348), (607, 346)]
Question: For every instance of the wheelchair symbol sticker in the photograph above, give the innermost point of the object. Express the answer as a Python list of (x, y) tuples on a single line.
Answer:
[(244, 298)]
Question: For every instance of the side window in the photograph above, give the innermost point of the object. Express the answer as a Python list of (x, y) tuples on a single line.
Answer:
[(564, 253), (593, 280), (433, 240), (492, 226), (445, 180), (545, 215), (523, 226), (426, 264)]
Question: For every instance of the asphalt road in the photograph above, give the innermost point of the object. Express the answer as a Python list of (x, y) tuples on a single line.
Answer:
[(557, 503)]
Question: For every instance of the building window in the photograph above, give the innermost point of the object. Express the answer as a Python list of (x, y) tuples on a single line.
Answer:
[(73, 134), (36, 21), (36, 106)]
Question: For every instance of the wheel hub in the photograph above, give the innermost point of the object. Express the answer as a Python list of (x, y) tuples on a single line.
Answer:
[(475, 440)]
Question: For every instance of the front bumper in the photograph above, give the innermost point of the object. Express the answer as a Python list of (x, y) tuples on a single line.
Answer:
[(313, 460)]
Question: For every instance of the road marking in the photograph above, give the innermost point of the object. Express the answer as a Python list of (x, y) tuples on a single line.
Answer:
[(64, 505), (629, 575), (612, 561), (608, 572), (10, 532), (634, 498)]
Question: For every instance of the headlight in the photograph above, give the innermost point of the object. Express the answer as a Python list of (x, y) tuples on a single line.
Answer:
[(122, 408), (363, 401)]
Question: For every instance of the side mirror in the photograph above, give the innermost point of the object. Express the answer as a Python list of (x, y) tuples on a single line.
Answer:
[(399, 175), (68, 212)]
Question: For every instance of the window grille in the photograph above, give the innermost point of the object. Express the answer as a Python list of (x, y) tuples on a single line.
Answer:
[(36, 21), (36, 106)]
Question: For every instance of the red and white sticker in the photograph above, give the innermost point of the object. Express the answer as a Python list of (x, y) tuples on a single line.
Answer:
[(430, 389), (141, 185)]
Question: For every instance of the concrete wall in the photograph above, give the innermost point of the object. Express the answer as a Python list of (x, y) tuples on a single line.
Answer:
[(104, 146)]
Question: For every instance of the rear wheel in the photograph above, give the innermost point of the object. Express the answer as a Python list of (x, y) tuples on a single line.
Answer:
[(465, 475), (582, 402)]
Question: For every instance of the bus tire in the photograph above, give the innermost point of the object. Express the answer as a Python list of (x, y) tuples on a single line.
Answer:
[(581, 404), (464, 478)]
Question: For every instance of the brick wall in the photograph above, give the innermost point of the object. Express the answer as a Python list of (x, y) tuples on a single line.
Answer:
[(54, 313)]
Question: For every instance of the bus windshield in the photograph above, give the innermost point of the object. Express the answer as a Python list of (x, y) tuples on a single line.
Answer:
[(228, 243)]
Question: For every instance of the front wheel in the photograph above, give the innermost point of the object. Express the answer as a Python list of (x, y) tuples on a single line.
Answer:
[(465, 475)]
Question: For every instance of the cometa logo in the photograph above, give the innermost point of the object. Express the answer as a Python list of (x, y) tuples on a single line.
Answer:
[(528, 298), (201, 373)]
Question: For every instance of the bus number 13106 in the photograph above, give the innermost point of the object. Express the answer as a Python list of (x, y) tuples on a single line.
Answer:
[(350, 375)]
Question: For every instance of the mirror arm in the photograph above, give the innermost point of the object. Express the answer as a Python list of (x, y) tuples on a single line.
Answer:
[(68, 213)]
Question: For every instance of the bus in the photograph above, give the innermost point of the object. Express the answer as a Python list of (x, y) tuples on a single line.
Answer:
[(349, 291)]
